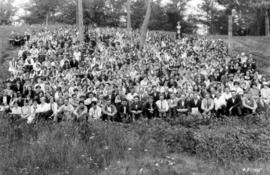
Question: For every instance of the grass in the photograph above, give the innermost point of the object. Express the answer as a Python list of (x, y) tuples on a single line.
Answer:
[(145, 147)]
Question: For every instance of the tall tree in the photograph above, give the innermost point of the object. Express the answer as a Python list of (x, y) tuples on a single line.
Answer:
[(80, 13), (145, 23), (129, 14), (7, 10), (42, 11)]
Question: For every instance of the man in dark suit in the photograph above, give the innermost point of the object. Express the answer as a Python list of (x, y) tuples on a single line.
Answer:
[(150, 108), (183, 105), (123, 111), (234, 104), (136, 108), (195, 104)]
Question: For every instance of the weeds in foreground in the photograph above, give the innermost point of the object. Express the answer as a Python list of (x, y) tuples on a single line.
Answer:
[(146, 147)]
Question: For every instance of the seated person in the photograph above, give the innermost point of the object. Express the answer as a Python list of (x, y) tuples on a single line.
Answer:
[(163, 106), (234, 104), (123, 110), (150, 108), (183, 105), (109, 110), (136, 108), (81, 112), (44, 110), (16, 111), (195, 105), (220, 104), (207, 106), (95, 112), (173, 102), (249, 104), (66, 112)]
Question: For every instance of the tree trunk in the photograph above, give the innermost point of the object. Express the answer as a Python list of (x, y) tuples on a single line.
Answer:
[(47, 19), (77, 13), (230, 33), (145, 23), (267, 23), (129, 15), (81, 30)]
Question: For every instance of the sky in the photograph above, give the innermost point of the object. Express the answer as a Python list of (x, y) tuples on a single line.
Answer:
[(191, 9)]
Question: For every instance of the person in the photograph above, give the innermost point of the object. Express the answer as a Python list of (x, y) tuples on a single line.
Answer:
[(249, 104), (43, 111), (183, 105), (163, 107), (136, 109), (123, 111), (265, 94), (234, 105), (207, 106), (195, 105), (150, 108), (66, 111), (109, 110), (95, 112), (220, 105), (81, 112)]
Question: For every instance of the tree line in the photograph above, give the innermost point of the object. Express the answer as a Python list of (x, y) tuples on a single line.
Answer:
[(250, 17)]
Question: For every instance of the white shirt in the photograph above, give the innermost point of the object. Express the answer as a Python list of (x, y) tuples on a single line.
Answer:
[(162, 105), (219, 102), (95, 113), (265, 93), (43, 108), (16, 110)]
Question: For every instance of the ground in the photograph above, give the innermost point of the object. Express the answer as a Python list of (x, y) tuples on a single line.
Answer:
[(229, 146)]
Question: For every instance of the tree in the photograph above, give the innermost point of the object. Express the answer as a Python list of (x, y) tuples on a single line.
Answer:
[(129, 14), (265, 5), (145, 23), (80, 14), (7, 10), (42, 10)]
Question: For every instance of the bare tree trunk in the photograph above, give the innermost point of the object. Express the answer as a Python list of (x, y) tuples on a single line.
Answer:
[(267, 23), (81, 28), (145, 23), (230, 33), (129, 15), (47, 19), (77, 13)]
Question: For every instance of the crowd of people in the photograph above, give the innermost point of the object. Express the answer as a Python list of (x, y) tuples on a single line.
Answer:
[(110, 77)]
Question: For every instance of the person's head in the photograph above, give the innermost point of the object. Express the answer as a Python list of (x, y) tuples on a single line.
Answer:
[(161, 96), (207, 96), (136, 99), (233, 93), (42, 100), (81, 104)]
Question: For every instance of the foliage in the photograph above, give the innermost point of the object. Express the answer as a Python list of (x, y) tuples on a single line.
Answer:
[(6, 12)]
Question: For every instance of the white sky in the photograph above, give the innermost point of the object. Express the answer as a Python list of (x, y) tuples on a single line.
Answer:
[(191, 8)]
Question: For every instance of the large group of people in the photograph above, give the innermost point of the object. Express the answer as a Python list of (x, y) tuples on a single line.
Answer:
[(110, 77)]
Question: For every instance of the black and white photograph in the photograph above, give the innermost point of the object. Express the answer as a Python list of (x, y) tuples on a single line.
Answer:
[(134, 87)]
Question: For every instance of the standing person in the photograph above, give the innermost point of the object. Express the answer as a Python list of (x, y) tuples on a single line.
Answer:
[(163, 107)]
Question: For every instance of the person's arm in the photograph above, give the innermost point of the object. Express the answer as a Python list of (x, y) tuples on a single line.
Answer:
[(167, 106), (202, 105)]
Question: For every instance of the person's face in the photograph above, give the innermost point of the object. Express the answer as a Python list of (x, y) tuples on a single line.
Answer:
[(161, 97)]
